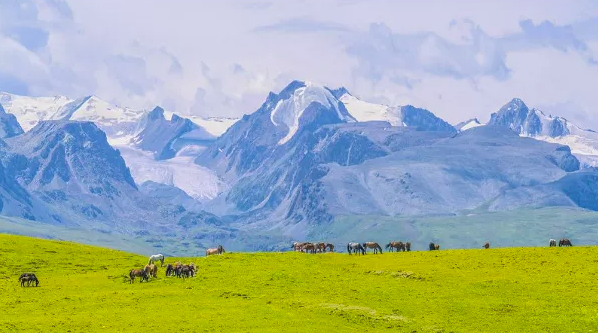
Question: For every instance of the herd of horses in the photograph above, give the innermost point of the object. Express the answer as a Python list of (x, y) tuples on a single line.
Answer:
[(177, 269), (189, 270)]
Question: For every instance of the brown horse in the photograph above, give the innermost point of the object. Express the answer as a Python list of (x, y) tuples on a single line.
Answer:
[(143, 276), (486, 246), (565, 242), (297, 246), (151, 270), (372, 245), (320, 247), (398, 246), (437, 247), (330, 247), (552, 243), (211, 252), (408, 247), (308, 248)]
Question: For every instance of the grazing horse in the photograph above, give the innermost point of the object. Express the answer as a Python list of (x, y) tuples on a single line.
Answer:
[(399, 246), (372, 245), (28, 278), (138, 273), (169, 270), (432, 246), (486, 246), (151, 270), (355, 248), (320, 247), (552, 243), (210, 252), (308, 248), (330, 247), (298, 245), (565, 242), (437, 247), (408, 247), (156, 257)]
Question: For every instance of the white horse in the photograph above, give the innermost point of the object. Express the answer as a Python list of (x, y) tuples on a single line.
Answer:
[(156, 257)]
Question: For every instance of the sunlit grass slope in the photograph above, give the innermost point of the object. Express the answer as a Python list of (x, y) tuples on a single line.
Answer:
[(498, 290)]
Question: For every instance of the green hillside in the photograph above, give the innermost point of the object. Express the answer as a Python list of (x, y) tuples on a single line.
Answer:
[(498, 290)]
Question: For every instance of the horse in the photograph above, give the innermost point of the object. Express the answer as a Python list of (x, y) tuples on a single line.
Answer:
[(372, 245), (210, 252), (432, 246), (308, 247), (565, 242), (186, 271), (437, 247), (138, 273), (156, 257), (151, 270), (395, 246), (355, 248), (486, 246), (330, 247), (28, 278), (169, 270), (220, 249), (552, 243), (297, 246), (408, 247), (320, 247)]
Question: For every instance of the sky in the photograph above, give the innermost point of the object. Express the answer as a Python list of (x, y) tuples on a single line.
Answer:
[(459, 59)]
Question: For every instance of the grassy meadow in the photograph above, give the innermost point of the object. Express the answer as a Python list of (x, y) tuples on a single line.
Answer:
[(83, 289)]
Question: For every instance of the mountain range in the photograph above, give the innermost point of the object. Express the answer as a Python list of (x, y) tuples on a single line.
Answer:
[(307, 157)]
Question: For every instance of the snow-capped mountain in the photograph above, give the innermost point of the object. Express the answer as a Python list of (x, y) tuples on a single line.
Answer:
[(157, 145), (113, 120), (30, 110), (471, 123), (71, 166), (534, 123), (331, 165), (166, 137), (407, 115), (9, 126)]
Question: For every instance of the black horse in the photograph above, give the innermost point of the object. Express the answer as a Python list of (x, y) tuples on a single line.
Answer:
[(432, 246), (565, 242), (28, 278)]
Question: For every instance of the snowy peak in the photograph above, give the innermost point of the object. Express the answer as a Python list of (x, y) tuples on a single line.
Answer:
[(163, 137), (407, 115), (303, 104), (529, 122), (30, 110), (465, 125), (9, 126)]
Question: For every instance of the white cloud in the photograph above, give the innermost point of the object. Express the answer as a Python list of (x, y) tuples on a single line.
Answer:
[(460, 60)]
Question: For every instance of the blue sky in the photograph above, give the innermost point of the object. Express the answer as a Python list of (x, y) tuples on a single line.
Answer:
[(460, 59)]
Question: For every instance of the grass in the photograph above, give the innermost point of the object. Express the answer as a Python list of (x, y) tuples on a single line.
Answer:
[(498, 290)]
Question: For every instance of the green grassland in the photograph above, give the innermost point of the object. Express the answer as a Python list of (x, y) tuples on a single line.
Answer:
[(83, 289)]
